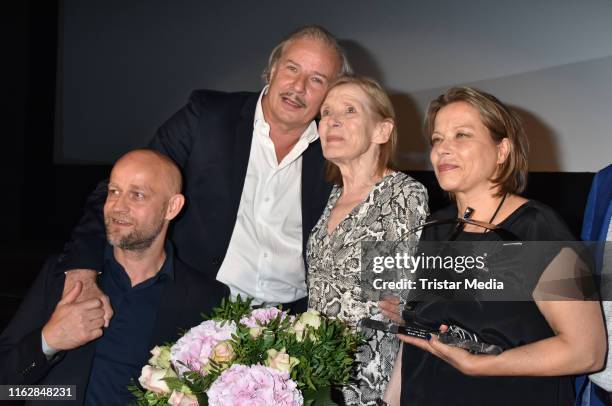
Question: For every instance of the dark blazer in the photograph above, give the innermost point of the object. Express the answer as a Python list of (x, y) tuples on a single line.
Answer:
[(210, 139), (22, 361)]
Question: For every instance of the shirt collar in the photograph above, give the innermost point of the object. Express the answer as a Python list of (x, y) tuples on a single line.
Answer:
[(261, 126), (166, 270)]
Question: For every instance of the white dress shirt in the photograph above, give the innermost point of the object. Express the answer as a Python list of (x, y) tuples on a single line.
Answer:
[(264, 259)]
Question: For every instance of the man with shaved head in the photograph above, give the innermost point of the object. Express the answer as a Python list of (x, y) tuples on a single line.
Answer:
[(154, 295), (153, 186)]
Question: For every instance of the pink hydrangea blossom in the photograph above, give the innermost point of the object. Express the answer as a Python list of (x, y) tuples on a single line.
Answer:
[(254, 385), (263, 316), (194, 349)]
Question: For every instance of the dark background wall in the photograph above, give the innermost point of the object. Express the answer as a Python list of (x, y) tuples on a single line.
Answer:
[(125, 66), (41, 200)]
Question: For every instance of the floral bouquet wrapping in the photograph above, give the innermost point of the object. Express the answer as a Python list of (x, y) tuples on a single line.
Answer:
[(245, 356)]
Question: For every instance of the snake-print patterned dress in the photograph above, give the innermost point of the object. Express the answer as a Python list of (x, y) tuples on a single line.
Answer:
[(395, 205)]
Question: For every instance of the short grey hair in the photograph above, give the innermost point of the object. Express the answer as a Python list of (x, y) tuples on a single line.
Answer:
[(312, 32)]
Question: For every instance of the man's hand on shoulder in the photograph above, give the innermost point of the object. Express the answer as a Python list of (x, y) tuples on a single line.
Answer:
[(73, 323), (90, 289)]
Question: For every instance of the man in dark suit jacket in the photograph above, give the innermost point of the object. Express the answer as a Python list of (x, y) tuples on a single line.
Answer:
[(154, 295), (253, 170)]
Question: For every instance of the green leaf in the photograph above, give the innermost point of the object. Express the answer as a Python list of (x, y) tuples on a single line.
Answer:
[(174, 383), (231, 310), (320, 397)]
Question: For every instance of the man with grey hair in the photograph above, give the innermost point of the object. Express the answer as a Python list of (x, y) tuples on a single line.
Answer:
[(253, 172)]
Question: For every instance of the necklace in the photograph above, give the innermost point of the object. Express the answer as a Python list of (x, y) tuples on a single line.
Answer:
[(498, 207), (468, 213)]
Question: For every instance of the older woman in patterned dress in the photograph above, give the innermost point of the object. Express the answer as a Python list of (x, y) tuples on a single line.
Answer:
[(369, 202)]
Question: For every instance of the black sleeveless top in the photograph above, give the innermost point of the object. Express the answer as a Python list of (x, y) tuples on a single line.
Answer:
[(428, 380)]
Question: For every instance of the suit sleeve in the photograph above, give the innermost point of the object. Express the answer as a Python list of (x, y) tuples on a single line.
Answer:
[(88, 239), (175, 137), (589, 213), (86, 246), (21, 356)]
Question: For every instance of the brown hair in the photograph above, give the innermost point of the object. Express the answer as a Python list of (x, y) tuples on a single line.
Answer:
[(312, 32), (380, 105), (502, 123)]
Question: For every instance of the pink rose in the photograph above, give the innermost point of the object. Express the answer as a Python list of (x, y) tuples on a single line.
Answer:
[(152, 378), (182, 399)]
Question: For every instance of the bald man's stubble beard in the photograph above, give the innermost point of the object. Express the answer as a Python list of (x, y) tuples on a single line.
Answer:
[(137, 240)]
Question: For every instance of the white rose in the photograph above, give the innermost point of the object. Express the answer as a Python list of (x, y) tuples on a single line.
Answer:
[(161, 357), (255, 331), (280, 360), (298, 329), (223, 352), (311, 318)]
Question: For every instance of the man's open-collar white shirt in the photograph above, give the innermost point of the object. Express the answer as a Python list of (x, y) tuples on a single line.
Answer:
[(264, 259)]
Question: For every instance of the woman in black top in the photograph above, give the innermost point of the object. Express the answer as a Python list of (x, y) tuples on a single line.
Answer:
[(479, 154)]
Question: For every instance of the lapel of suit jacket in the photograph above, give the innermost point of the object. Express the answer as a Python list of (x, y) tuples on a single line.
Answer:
[(243, 138), (172, 305), (311, 175)]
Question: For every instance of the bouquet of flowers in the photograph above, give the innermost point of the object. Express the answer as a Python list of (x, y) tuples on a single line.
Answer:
[(243, 356)]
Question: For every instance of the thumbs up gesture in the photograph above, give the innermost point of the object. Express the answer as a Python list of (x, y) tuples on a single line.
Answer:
[(73, 324)]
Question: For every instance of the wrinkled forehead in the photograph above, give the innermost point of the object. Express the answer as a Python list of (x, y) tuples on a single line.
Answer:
[(348, 90), (349, 93)]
